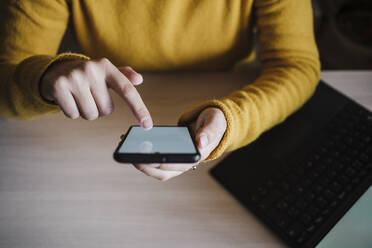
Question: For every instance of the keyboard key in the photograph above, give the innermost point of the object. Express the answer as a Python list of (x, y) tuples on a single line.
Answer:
[(329, 195), (310, 228), (369, 150), (302, 238), (364, 158), (328, 161), (300, 171), (346, 159), (348, 188), (271, 198), (314, 175), (291, 198), (301, 204), (293, 179), (310, 164), (322, 167), (306, 219), (326, 212), (316, 156), (341, 147), (306, 183), (321, 202), (331, 173), (285, 186), (295, 229), (350, 142), (357, 164), (350, 172), (293, 212), (356, 180), (340, 166), (329, 144), (318, 220), (282, 205), (270, 183), (299, 190), (278, 218), (341, 195), (336, 187), (254, 198), (262, 206), (313, 211), (318, 188), (322, 150), (366, 139), (310, 197), (335, 154), (262, 191), (343, 131), (333, 204)]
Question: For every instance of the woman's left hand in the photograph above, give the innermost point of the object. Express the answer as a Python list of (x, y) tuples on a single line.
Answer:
[(207, 130)]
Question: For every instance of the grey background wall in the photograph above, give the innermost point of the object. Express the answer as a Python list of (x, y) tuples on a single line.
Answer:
[(343, 30)]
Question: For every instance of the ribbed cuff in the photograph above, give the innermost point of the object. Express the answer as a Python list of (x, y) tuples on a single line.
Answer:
[(28, 102)]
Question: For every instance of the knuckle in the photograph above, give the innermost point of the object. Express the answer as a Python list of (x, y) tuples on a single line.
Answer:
[(89, 67), (81, 84), (104, 61), (76, 74), (142, 112), (60, 83), (58, 86), (127, 89)]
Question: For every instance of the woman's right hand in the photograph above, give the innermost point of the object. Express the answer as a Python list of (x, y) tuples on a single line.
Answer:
[(80, 88)]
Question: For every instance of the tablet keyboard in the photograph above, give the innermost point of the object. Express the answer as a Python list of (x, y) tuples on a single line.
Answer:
[(311, 196)]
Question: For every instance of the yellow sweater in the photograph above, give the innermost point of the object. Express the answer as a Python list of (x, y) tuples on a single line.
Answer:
[(163, 35)]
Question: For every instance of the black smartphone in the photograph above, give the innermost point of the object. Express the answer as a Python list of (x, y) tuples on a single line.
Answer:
[(161, 144)]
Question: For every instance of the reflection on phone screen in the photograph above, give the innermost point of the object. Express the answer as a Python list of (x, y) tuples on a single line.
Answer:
[(158, 140)]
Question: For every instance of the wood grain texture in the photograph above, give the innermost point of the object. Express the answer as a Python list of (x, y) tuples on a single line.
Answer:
[(59, 186)]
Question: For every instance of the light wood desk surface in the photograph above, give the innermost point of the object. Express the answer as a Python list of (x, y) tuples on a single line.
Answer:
[(59, 186)]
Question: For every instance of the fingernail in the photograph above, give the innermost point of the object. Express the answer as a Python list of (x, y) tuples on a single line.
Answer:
[(146, 123), (138, 79), (155, 165), (203, 140)]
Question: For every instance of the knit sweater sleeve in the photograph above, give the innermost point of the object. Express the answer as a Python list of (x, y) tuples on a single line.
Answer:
[(289, 76), (30, 33)]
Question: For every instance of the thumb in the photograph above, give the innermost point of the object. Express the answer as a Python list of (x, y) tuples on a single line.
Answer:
[(134, 77), (207, 129)]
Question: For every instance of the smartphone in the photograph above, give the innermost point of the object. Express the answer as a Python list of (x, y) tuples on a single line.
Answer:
[(160, 144)]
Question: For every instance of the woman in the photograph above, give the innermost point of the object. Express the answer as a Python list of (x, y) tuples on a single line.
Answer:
[(158, 35)]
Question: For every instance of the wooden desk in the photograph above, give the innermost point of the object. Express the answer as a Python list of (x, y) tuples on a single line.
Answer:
[(59, 186)]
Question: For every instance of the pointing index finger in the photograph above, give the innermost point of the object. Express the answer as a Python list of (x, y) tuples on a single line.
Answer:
[(125, 89)]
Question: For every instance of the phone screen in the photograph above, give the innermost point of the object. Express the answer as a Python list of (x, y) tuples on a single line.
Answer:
[(159, 139)]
